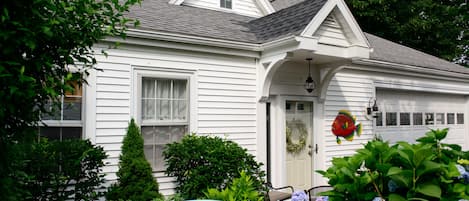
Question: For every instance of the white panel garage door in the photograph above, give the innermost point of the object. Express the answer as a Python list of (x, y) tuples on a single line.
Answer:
[(408, 115)]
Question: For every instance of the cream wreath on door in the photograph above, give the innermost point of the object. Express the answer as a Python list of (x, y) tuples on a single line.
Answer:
[(298, 129)]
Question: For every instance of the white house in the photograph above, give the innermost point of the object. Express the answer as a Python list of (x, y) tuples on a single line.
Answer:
[(237, 69)]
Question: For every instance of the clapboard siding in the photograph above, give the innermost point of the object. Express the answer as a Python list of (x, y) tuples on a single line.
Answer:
[(243, 7), (330, 32), (350, 92), (225, 98)]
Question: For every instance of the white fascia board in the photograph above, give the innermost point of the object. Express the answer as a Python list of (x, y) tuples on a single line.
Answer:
[(265, 6), (328, 9), (176, 2), (403, 69)]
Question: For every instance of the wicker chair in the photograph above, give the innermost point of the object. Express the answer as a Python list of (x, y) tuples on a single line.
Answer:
[(313, 192), (278, 194)]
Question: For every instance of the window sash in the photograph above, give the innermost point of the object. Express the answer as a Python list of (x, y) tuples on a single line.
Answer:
[(163, 105)]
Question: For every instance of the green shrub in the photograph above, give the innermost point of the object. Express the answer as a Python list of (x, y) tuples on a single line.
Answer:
[(241, 189), (135, 179), (64, 170), (202, 162), (422, 171)]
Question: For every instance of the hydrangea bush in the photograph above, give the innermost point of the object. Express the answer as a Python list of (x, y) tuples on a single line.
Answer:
[(426, 170)]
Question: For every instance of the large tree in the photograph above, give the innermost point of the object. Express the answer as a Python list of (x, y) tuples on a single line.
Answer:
[(40, 41), (437, 27)]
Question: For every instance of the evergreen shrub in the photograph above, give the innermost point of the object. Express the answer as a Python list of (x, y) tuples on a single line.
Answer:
[(135, 179), (203, 162), (64, 170)]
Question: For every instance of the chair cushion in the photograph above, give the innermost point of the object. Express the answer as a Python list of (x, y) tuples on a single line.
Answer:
[(278, 195)]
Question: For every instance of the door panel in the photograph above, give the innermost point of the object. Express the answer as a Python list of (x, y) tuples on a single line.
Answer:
[(299, 119)]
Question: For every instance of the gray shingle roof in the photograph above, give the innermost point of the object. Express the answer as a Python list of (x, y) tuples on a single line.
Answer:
[(385, 50), (158, 15), (285, 22), (281, 4)]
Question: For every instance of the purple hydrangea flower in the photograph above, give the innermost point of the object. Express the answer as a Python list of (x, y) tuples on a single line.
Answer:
[(322, 198), (299, 196), (464, 174), (377, 199)]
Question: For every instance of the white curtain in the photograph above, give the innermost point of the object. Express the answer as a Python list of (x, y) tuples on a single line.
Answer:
[(164, 100)]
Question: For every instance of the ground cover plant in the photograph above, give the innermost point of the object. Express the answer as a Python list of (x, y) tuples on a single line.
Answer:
[(240, 189), (426, 170), (202, 162), (135, 179)]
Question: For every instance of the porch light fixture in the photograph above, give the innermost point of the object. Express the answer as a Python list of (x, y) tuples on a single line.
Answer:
[(309, 84), (370, 109)]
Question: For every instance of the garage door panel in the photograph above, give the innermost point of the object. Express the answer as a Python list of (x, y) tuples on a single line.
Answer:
[(433, 107)]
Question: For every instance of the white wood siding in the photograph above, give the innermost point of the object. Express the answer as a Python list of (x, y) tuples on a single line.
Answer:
[(242, 7), (331, 32), (352, 90), (225, 98)]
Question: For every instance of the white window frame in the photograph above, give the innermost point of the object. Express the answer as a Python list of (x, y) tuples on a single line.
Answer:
[(151, 72), (69, 123), (139, 72)]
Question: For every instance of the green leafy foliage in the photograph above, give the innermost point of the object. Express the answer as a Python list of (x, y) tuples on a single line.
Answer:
[(202, 162), (439, 28), (64, 170), (40, 41), (135, 179), (241, 189), (421, 171)]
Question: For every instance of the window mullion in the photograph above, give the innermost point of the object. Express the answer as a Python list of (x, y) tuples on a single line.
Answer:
[(171, 100)]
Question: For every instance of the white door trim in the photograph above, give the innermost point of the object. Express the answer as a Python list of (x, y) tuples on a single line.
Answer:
[(278, 147)]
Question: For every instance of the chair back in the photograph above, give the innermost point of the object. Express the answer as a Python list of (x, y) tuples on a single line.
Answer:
[(313, 192)]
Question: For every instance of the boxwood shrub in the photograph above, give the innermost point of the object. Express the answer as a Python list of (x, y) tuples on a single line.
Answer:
[(203, 162)]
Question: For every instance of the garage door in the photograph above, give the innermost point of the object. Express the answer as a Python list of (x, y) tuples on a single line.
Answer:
[(408, 115)]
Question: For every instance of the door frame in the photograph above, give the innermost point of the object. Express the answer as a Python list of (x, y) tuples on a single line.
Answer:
[(277, 139)]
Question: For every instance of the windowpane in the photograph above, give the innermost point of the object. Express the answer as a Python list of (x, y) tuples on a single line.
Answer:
[(60, 133), (163, 110), (391, 119), (460, 118), (225, 4), (180, 110), (404, 119), (379, 119), (148, 109), (163, 89), (53, 111), (179, 89), (429, 118), (148, 88), (440, 118), (72, 108), (450, 118), (418, 118), (155, 138)]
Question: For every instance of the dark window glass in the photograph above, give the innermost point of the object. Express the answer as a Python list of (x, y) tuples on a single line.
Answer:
[(418, 119), (450, 118), (404, 119), (440, 118), (379, 119), (301, 107), (460, 118), (429, 118), (391, 119), (225, 4), (60, 133)]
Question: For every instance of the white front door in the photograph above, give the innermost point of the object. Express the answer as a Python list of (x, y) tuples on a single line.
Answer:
[(299, 126)]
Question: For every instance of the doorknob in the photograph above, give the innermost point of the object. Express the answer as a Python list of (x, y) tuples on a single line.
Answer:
[(316, 149)]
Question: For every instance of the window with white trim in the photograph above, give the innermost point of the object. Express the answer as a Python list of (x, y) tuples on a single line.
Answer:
[(64, 120), (450, 118), (460, 118), (164, 115), (226, 4)]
